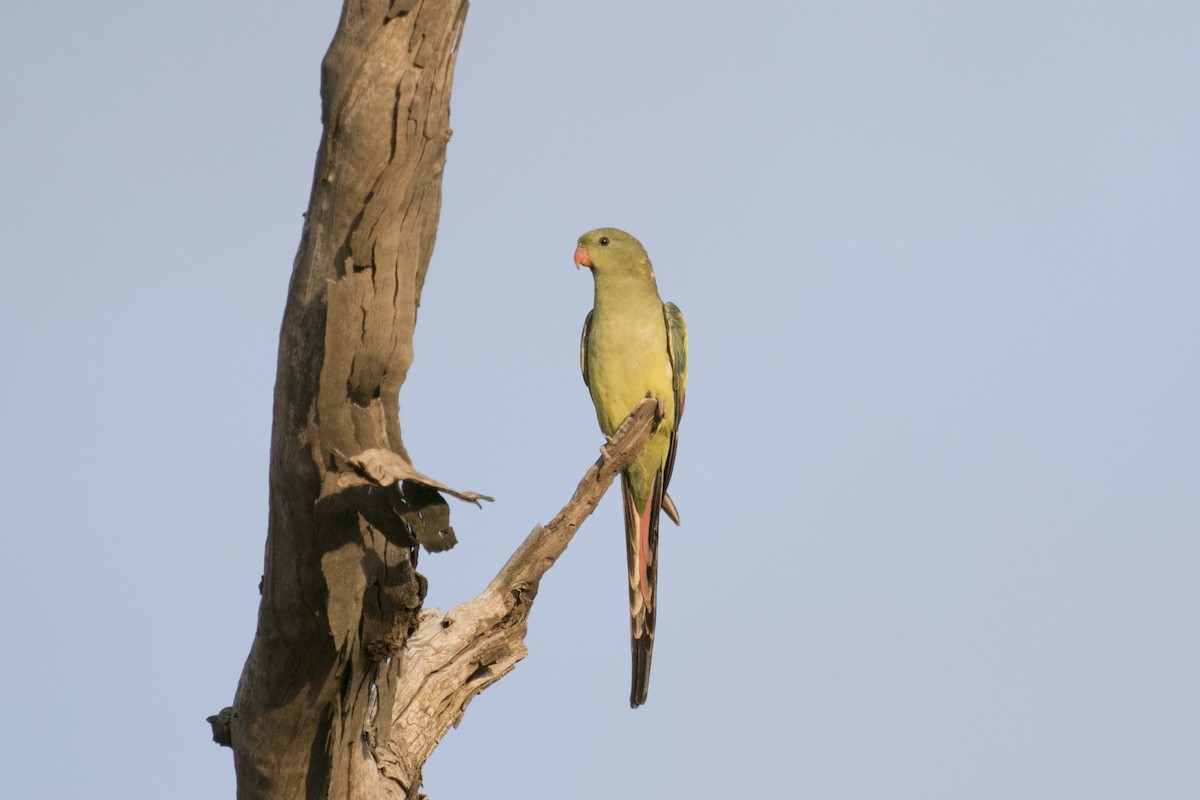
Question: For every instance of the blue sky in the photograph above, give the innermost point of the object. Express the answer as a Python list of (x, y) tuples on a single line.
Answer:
[(939, 466)]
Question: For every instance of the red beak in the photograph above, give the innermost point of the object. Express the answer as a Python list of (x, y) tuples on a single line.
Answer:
[(581, 257)]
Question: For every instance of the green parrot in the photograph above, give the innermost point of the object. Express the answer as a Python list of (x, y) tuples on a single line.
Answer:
[(635, 345)]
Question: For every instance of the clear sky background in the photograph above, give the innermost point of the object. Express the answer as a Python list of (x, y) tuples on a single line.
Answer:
[(940, 468)]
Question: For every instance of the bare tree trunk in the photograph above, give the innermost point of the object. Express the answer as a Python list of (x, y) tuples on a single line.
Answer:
[(349, 685), (339, 592)]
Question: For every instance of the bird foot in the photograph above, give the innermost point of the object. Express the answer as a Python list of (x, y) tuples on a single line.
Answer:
[(604, 448), (660, 409)]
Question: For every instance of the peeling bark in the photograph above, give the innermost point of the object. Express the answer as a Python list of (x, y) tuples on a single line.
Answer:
[(340, 593), (349, 684)]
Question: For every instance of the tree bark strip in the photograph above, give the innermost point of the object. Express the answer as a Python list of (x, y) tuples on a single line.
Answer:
[(339, 590), (349, 684)]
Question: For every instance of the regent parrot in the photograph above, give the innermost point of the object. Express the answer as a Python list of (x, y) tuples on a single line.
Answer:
[(635, 345)]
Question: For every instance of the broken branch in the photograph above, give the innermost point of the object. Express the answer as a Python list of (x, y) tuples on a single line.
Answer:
[(451, 658)]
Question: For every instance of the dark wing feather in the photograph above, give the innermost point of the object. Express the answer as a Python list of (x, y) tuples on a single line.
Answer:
[(677, 352), (583, 343)]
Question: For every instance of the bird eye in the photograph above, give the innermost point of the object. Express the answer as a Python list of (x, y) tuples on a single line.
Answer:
[(603, 241)]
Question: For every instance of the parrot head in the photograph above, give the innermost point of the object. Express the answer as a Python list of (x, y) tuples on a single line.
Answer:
[(611, 251)]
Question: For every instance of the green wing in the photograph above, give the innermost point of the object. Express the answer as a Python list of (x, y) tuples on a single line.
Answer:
[(677, 352), (583, 341)]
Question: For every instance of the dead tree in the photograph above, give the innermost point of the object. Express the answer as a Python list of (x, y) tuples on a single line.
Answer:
[(350, 683)]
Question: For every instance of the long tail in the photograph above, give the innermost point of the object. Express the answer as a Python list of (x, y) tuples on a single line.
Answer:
[(641, 540)]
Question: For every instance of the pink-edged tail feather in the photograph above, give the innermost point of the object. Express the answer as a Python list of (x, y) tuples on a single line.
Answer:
[(641, 540)]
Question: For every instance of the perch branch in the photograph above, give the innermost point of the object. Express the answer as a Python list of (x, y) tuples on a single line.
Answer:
[(452, 657)]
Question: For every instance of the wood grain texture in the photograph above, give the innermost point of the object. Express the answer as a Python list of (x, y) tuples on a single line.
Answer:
[(452, 657), (340, 592), (350, 684)]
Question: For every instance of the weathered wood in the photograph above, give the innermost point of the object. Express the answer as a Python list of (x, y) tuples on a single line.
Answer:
[(452, 657), (349, 685), (340, 593)]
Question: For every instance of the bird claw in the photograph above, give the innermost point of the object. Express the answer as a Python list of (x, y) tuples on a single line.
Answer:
[(660, 409), (604, 448)]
